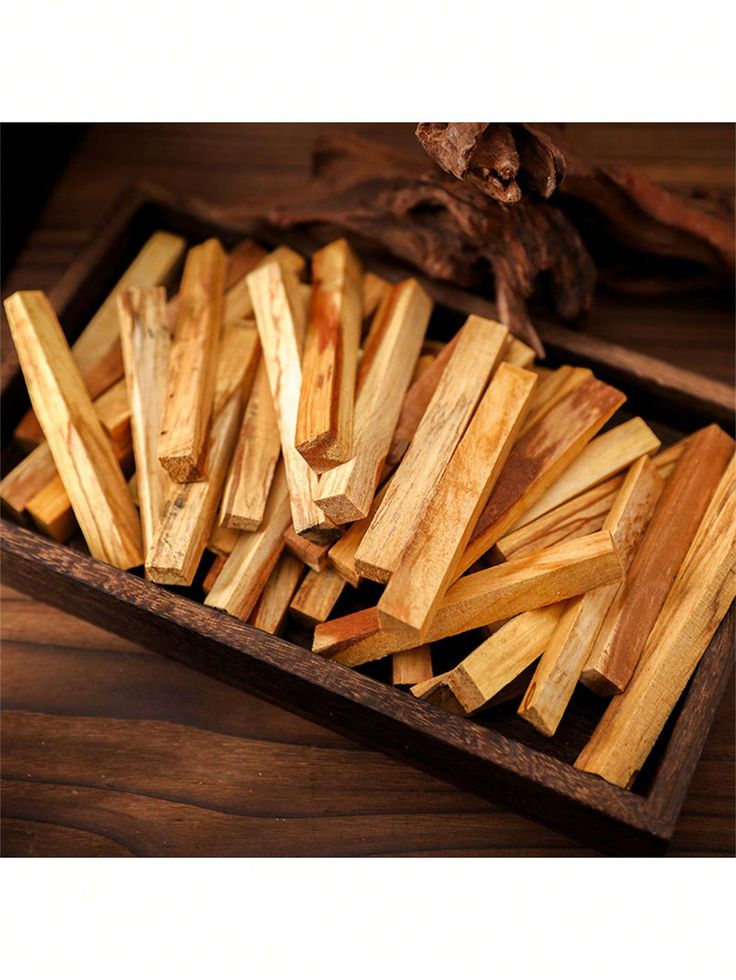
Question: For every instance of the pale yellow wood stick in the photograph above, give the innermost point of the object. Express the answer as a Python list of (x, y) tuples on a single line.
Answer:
[(565, 656), (146, 342), (238, 301), (96, 351), (342, 553), (345, 492), (414, 484), (324, 423), (190, 508), (489, 596), (551, 390), (222, 540), (602, 458), (428, 564), (272, 607), (280, 317), (373, 289), (246, 571), (412, 666), (316, 597), (312, 554), (494, 664), (82, 452), (699, 599), (193, 364), (518, 353)]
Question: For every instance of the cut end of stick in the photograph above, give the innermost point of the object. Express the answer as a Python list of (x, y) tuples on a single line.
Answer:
[(184, 469), (340, 509), (600, 684), (372, 572)]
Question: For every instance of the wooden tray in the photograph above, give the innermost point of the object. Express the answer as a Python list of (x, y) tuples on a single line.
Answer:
[(497, 755)]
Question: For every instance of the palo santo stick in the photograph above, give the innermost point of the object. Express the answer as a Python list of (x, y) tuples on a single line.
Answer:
[(313, 555), (324, 424), (345, 492), (602, 458), (518, 353), (632, 615), (415, 482), (317, 595), (494, 664), (270, 611), (238, 303), (280, 318), (428, 565), (700, 597), (146, 342), (211, 577), (488, 596), (565, 656), (96, 351), (581, 515), (539, 457), (247, 569), (412, 666), (373, 290), (551, 390), (193, 364), (82, 452), (133, 489), (342, 553), (190, 508), (254, 460), (222, 540)]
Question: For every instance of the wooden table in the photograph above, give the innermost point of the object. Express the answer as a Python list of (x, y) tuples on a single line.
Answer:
[(111, 750)]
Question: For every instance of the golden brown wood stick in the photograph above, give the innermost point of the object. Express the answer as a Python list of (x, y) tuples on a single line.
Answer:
[(190, 508), (428, 564), (82, 452), (519, 354), (581, 515), (494, 664), (238, 304), (565, 656), (342, 553), (312, 554), (345, 492), (193, 364), (670, 533), (133, 489), (552, 389), (699, 599), (316, 596), (146, 341), (34, 473), (556, 573), (324, 423), (442, 426), (539, 457), (412, 666), (424, 363), (270, 611), (280, 318), (602, 458), (96, 351), (222, 540), (214, 570), (373, 290), (247, 569), (254, 461)]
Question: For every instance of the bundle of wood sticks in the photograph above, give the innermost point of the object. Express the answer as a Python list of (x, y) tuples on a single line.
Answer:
[(310, 437)]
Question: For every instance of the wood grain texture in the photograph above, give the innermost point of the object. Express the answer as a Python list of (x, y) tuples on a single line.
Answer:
[(686, 496), (97, 351), (345, 492), (82, 453), (324, 424), (442, 426), (429, 563), (272, 607), (317, 596), (602, 458), (311, 553), (146, 344), (190, 509), (552, 388), (494, 664), (247, 569), (539, 457), (562, 662), (279, 314), (254, 460), (699, 599), (193, 364), (581, 515), (411, 666), (342, 553), (497, 593)]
